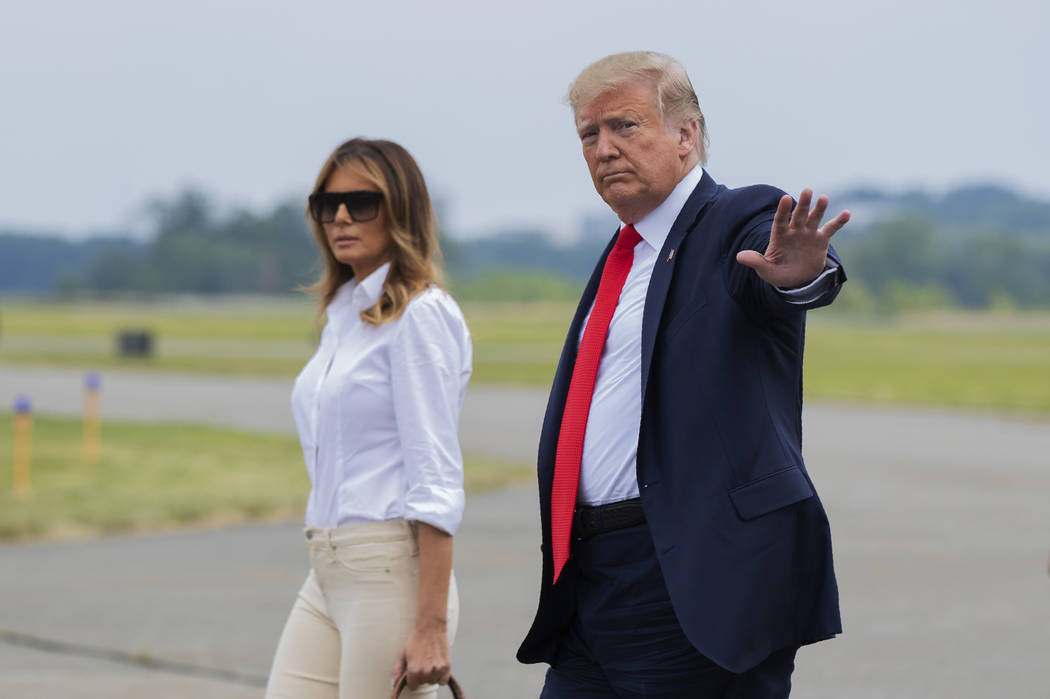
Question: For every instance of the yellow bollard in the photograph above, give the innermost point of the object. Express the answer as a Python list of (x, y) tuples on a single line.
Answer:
[(92, 420), (23, 446)]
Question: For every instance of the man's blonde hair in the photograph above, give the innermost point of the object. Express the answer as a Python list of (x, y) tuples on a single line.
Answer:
[(675, 98)]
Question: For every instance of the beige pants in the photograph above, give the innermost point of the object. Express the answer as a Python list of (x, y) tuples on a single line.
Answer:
[(353, 615)]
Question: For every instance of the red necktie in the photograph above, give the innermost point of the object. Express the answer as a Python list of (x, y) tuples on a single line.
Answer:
[(581, 388)]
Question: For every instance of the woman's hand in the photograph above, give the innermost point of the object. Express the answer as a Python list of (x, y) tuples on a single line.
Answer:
[(425, 657)]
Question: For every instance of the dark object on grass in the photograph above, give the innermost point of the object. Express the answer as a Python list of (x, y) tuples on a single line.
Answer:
[(135, 343)]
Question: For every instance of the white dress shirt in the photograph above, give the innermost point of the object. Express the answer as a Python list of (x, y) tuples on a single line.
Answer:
[(610, 447), (377, 410)]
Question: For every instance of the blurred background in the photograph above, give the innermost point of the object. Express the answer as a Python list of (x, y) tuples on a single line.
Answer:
[(154, 163)]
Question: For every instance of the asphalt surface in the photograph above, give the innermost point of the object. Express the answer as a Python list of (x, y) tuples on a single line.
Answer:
[(259, 404), (941, 528), (218, 599)]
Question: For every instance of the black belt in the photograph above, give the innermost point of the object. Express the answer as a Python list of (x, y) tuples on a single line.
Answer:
[(588, 521)]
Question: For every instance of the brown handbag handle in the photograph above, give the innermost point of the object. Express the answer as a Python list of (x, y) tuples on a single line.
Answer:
[(453, 687)]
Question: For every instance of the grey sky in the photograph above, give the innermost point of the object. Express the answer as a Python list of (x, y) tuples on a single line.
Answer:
[(107, 103)]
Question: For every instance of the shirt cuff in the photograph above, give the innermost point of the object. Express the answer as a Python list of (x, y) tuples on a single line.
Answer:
[(814, 290), (437, 506)]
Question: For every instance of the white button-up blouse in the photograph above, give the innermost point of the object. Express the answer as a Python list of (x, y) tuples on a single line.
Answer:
[(377, 410)]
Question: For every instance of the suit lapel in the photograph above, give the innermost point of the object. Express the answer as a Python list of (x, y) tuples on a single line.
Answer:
[(660, 281)]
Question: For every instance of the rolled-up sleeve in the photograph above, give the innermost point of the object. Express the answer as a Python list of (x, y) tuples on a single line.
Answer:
[(430, 365)]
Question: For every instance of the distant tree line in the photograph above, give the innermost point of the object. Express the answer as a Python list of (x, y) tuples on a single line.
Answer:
[(975, 248), (38, 264), (907, 262), (195, 250)]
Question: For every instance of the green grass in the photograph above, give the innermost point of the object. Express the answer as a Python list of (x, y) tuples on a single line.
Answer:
[(983, 361), (214, 336), (243, 366), (513, 342), (517, 343), (248, 318), (950, 360), (157, 476), (153, 477)]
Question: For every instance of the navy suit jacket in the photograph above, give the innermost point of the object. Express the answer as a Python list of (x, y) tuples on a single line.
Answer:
[(741, 536)]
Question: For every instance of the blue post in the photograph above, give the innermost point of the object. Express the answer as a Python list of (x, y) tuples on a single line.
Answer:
[(92, 418), (23, 445)]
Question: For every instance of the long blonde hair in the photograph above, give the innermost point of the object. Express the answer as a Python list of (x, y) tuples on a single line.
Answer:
[(415, 257)]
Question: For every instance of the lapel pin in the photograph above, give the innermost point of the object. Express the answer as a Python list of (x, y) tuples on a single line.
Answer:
[(670, 255)]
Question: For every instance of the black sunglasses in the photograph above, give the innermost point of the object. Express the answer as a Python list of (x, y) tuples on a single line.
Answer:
[(362, 205)]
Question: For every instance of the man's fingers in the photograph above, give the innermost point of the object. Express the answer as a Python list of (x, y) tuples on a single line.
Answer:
[(832, 227), (818, 212), (801, 215), (780, 218), (753, 259)]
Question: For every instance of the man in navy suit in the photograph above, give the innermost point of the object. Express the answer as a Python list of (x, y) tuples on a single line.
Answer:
[(685, 551)]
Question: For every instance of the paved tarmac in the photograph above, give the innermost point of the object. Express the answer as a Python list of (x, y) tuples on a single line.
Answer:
[(940, 521), (260, 404), (218, 599)]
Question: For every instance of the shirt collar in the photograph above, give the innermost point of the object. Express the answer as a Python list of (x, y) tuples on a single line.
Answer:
[(367, 291), (654, 226)]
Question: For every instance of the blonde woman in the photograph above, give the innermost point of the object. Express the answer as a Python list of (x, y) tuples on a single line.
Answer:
[(377, 409)]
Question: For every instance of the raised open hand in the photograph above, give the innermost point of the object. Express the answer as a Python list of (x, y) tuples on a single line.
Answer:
[(797, 248)]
